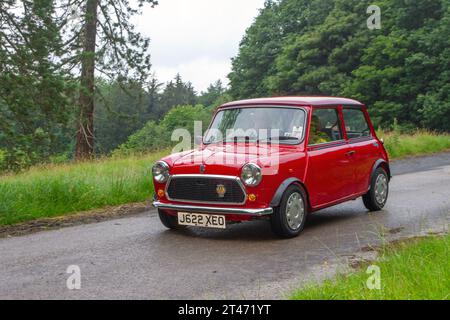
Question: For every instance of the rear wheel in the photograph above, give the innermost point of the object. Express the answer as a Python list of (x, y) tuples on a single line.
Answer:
[(169, 221), (288, 220), (376, 198)]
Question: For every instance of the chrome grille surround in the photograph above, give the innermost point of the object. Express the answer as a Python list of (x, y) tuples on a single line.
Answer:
[(231, 179)]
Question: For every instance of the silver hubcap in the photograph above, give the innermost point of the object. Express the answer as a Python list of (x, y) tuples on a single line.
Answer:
[(381, 189), (295, 211)]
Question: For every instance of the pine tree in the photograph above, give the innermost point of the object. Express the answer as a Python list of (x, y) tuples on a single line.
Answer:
[(176, 93), (101, 40), (214, 91), (34, 93)]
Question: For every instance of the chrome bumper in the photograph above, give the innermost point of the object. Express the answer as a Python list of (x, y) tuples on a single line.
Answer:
[(212, 210)]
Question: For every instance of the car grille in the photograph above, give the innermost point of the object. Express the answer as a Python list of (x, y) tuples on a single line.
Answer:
[(204, 189)]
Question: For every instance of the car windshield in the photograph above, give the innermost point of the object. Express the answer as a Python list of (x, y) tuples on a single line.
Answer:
[(282, 125)]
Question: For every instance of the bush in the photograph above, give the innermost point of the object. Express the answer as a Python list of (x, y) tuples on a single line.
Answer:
[(2, 160), (157, 136), (436, 109), (60, 159), (151, 137)]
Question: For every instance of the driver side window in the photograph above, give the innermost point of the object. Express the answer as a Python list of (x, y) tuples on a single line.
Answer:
[(325, 126)]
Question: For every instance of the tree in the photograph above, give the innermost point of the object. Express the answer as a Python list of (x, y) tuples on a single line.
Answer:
[(176, 93), (214, 91), (318, 47), (121, 111), (263, 42), (101, 39), (35, 96), (154, 97), (319, 60), (257, 52)]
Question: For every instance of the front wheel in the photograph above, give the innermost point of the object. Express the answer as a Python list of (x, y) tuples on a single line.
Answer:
[(376, 198), (288, 220)]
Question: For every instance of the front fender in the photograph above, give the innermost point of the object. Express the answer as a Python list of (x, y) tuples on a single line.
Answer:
[(378, 163), (276, 200)]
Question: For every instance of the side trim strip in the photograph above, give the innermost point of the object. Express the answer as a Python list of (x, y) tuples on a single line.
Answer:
[(359, 140), (327, 145)]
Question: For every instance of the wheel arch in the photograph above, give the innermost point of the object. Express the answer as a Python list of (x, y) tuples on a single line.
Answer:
[(276, 200), (383, 164)]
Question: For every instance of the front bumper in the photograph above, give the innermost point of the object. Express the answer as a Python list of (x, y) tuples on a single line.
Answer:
[(214, 210)]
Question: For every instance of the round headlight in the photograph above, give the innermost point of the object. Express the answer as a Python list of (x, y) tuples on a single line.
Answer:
[(161, 172), (251, 175)]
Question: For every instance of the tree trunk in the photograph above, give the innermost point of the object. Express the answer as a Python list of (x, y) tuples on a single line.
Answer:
[(85, 134)]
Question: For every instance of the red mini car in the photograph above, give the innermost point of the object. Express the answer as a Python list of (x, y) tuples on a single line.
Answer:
[(277, 159)]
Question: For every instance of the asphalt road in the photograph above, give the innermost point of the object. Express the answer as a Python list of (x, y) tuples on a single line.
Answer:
[(136, 258)]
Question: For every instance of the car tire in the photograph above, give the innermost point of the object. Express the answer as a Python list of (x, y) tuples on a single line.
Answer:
[(285, 223), (169, 221), (376, 198)]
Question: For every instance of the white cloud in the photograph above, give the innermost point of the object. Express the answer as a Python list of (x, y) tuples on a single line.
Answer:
[(196, 38)]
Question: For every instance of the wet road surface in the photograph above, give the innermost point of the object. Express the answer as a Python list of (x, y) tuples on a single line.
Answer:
[(136, 258)]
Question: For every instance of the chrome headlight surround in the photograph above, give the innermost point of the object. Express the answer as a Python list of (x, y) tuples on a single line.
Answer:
[(160, 172), (251, 175)]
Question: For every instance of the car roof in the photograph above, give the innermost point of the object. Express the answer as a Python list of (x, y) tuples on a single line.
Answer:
[(305, 101)]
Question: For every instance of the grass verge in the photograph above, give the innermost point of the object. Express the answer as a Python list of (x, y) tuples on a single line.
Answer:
[(412, 270), (56, 190), (419, 143)]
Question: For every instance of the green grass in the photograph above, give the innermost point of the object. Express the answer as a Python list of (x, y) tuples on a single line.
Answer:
[(419, 143), (409, 271), (55, 190)]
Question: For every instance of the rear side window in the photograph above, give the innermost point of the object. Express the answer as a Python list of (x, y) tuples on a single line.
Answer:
[(325, 126), (355, 123)]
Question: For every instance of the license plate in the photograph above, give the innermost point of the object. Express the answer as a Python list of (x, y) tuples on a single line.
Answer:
[(201, 220)]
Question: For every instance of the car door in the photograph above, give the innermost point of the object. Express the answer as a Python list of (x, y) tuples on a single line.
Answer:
[(363, 146), (329, 175)]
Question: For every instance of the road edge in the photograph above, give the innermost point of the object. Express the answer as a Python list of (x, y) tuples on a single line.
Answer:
[(75, 219)]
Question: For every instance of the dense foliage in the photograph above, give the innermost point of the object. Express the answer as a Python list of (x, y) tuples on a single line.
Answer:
[(143, 118), (50, 51), (34, 93), (158, 136), (324, 47)]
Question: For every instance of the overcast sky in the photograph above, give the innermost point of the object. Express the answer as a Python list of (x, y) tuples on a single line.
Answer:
[(196, 38)]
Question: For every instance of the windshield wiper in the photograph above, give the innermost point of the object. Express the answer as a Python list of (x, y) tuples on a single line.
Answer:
[(239, 139), (233, 140)]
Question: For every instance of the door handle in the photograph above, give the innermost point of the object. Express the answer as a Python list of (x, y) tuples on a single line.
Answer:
[(351, 153)]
